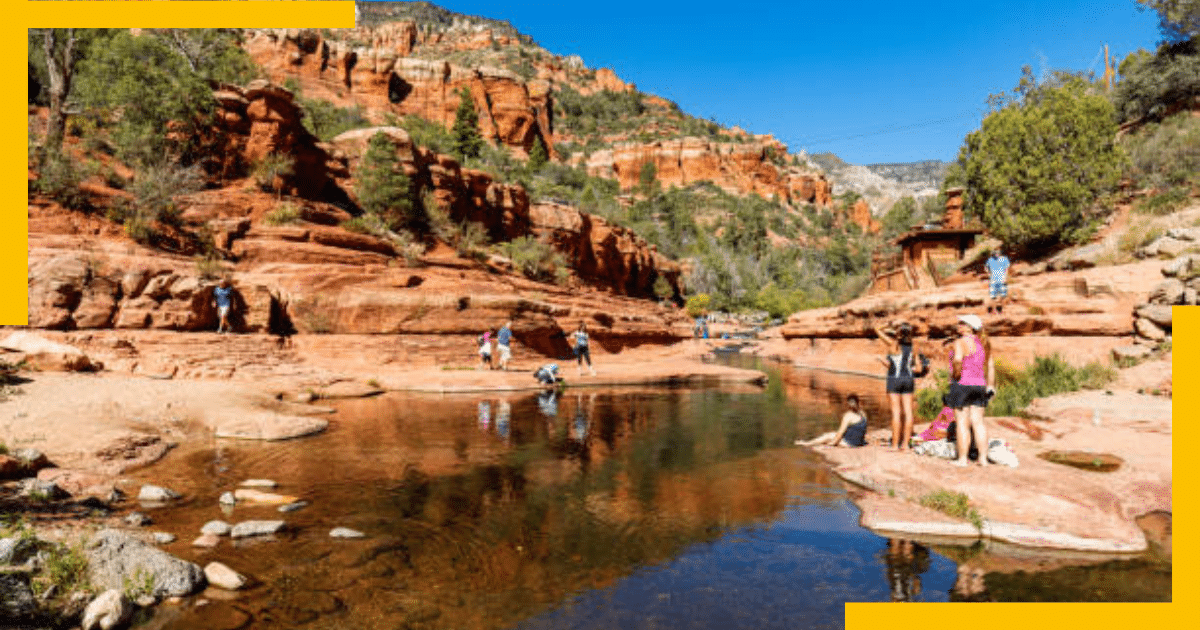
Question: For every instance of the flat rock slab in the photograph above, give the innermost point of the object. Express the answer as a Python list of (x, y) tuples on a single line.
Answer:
[(1040, 503), (267, 426)]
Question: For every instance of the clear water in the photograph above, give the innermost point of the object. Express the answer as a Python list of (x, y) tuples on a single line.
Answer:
[(631, 508)]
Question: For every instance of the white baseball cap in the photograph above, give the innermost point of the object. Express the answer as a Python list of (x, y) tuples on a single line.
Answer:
[(971, 320)]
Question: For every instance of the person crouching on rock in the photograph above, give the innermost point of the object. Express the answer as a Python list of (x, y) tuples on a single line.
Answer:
[(974, 383), (581, 349), (223, 299), (852, 433), (547, 374)]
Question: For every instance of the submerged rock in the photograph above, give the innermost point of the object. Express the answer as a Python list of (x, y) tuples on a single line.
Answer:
[(221, 575), (346, 532)]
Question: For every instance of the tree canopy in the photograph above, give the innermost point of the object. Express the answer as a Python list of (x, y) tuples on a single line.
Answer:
[(1036, 165)]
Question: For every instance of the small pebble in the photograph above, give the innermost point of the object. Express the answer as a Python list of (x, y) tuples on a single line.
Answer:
[(163, 538), (346, 532), (292, 507), (207, 541), (227, 499)]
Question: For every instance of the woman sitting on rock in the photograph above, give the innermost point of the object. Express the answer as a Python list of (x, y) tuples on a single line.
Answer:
[(852, 433)]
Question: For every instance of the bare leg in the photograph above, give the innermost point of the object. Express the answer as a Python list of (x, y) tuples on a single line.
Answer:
[(894, 399), (825, 439), (981, 440), (962, 435), (906, 429)]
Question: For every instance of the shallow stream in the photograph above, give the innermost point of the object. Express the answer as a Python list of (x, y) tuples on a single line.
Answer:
[(630, 508)]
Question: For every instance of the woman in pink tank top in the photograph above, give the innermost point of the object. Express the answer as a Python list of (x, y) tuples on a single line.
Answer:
[(973, 385)]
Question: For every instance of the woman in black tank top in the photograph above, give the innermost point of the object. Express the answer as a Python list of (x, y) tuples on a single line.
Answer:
[(900, 362)]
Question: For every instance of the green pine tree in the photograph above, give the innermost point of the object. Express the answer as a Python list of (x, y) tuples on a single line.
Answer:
[(537, 155), (465, 132), (383, 188)]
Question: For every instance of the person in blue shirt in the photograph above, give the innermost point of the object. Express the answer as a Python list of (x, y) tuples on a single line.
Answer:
[(997, 267), (503, 339), (223, 298)]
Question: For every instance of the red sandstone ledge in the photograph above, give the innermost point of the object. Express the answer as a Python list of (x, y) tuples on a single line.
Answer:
[(1040, 503)]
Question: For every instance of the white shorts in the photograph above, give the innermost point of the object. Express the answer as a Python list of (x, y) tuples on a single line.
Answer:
[(222, 311), (505, 352)]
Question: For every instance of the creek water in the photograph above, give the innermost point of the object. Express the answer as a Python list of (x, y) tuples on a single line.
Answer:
[(630, 508)]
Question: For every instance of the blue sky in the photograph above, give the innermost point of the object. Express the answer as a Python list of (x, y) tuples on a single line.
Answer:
[(870, 81)]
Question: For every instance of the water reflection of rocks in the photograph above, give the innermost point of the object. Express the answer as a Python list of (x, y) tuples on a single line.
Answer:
[(483, 512)]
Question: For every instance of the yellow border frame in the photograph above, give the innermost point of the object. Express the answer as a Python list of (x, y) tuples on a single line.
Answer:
[(14, 304)]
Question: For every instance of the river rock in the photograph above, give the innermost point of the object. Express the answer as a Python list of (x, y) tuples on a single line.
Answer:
[(1184, 234), (1160, 314), (250, 495), (346, 532), (137, 519), (1135, 351), (221, 575), (227, 498), (292, 507), (216, 528), (1179, 267), (16, 550), (268, 426), (41, 488), (114, 556), (31, 459), (164, 538), (256, 528), (16, 597), (1149, 329), (156, 494), (207, 541), (1169, 291), (110, 610), (258, 483)]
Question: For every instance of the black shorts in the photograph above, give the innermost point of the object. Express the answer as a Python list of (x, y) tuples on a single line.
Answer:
[(962, 396), (581, 353), (900, 385)]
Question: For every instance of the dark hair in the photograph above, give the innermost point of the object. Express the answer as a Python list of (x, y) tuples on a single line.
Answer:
[(852, 400), (904, 334)]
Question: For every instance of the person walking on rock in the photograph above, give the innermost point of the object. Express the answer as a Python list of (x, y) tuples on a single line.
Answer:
[(503, 339), (997, 266), (223, 298), (901, 364), (581, 349), (974, 383)]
